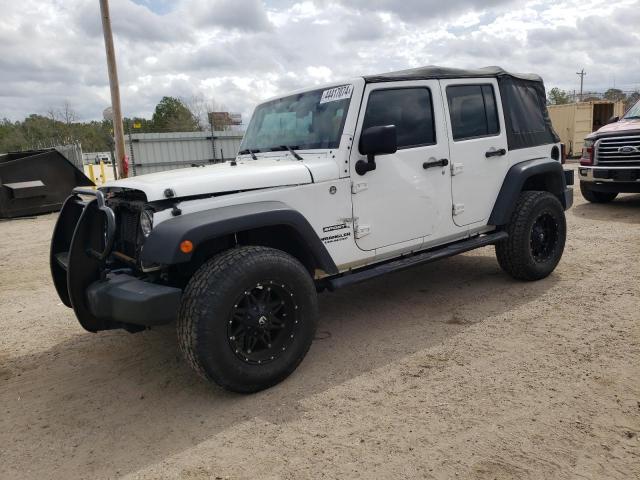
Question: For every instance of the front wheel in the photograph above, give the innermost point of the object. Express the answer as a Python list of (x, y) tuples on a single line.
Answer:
[(537, 233), (248, 318)]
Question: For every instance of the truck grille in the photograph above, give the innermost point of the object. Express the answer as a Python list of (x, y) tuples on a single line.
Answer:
[(619, 152), (127, 223)]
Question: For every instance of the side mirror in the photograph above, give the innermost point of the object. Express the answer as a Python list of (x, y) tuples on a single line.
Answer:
[(613, 119), (379, 140)]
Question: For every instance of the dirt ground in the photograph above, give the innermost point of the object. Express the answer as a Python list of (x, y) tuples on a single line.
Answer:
[(451, 370)]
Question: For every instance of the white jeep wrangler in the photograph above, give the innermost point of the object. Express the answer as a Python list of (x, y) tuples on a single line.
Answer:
[(332, 186)]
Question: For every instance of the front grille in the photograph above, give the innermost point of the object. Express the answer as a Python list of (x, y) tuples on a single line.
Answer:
[(127, 231), (619, 151)]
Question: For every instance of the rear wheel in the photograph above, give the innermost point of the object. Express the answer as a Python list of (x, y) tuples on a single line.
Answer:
[(537, 232), (596, 197), (248, 317)]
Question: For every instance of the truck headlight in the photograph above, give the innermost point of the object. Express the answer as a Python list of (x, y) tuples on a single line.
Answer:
[(146, 222), (587, 153)]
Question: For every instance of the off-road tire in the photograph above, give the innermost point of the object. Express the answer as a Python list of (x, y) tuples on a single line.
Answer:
[(516, 254), (208, 304), (596, 197)]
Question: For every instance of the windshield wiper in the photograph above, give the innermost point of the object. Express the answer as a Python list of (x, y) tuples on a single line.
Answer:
[(250, 152), (292, 151)]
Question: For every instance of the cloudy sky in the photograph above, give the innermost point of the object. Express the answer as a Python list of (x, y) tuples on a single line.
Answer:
[(239, 52)]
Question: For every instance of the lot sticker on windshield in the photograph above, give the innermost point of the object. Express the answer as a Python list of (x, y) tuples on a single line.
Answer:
[(337, 93)]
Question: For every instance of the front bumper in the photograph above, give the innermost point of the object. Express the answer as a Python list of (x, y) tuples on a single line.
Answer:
[(85, 278), (611, 179), (568, 191), (126, 299)]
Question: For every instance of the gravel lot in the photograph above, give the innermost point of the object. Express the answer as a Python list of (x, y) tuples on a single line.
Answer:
[(447, 370)]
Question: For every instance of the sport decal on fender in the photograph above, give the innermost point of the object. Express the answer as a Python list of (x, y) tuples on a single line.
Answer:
[(336, 238), (332, 228), (337, 93)]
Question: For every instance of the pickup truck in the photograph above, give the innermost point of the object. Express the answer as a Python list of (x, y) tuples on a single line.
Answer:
[(610, 162)]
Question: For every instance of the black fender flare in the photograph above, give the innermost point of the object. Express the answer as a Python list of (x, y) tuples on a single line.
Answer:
[(515, 180), (162, 247)]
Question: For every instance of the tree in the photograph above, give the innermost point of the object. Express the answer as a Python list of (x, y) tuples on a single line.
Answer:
[(557, 96), (172, 115), (202, 109), (615, 95)]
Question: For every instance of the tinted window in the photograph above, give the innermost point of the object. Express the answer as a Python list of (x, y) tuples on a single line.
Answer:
[(473, 111), (525, 110), (409, 109)]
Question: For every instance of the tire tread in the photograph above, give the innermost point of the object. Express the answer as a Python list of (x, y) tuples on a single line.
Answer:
[(509, 251), (226, 264)]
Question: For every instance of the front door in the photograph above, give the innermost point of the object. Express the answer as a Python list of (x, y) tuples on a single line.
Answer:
[(408, 193), (478, 147)]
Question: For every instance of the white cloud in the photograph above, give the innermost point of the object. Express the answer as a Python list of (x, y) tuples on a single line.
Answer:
[(243, 51)]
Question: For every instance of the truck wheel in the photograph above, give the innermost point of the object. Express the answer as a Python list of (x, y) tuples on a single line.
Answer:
[(537, 232), (247, 318), (596, 197)]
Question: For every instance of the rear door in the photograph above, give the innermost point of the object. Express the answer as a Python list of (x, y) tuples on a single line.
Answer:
[(478, 147), (403, 199), (583, 124)]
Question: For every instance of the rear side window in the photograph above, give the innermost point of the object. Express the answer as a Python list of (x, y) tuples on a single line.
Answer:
[(409, 109), (525, 110), (473, 111)]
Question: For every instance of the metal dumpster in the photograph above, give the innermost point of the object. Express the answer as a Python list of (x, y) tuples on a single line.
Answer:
[(36, 181)]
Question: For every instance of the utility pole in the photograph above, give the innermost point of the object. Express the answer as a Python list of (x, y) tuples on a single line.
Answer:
[(131, 156), (118, 131), (581, 73)]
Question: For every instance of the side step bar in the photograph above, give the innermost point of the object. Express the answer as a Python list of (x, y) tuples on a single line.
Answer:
[(418, 259)]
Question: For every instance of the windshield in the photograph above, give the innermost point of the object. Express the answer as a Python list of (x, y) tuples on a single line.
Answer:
[(308, 120), (634, 112)]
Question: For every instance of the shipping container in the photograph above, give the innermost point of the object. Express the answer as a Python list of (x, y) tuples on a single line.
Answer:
[(574, 121)]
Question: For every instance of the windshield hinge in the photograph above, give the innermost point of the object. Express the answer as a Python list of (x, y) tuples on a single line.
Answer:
[(362, 231)]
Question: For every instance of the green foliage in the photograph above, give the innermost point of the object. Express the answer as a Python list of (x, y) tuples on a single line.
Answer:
[(615, 95), (172, 115), (59, 127), (557, 96)]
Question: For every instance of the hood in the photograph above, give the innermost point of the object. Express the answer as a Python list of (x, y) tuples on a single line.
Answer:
[(218, 178), (620, 126)]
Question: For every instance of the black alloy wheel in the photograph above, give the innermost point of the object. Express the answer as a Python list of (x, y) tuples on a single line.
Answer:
[(537, 233), (544, 237), (263, 323), (248, 317)]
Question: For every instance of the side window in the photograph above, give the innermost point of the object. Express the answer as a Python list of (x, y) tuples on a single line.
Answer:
[(525, 111), (409, 109), (473, 111)]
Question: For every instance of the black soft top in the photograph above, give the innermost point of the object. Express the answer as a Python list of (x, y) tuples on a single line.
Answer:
[(524, 100), (432, 72)]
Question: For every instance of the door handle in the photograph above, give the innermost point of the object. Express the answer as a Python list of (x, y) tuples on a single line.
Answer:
[(495, 153), (436, 163)]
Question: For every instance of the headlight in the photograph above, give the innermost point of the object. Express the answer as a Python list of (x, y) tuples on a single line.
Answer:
[(587, 153), (146, 222)]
